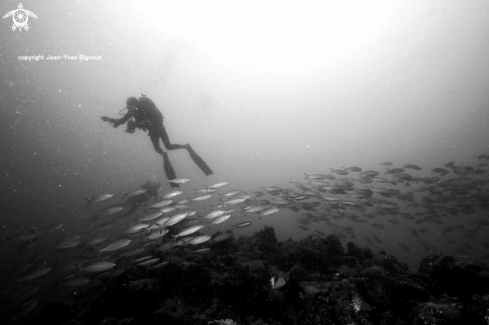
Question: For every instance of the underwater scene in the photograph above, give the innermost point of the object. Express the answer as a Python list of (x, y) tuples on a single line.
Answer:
[(244, 162)]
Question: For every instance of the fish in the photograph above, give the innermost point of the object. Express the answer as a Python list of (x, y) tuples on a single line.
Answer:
[(232, 193), (314, 177), (99, 267), (37, 273), (339, 171), (166, 246), (172, 194), (255, 208), (179, 180), (168, 209), (142, 259), (242, 224), (98, 198), (96, 241), (157, 234), (219, 185), (411, 166), (175, 219), (159, 265), (404, 247), (23, 237), (214, 214), (199, 240), (152, 216), (112, 209), (188, 231), (202, 198), (52, 228), (149, 262), (161, 204), (221, 219), (206, 190), (235, 201), (67, 244), (26, 308), (116, 245), (269, 212), (136, 192), (202, 250), (394, 171), (354, 169), (137, 228), (161, 222), (76, 282)]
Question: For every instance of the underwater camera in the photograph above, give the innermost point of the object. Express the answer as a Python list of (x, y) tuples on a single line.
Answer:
[(131, 126)]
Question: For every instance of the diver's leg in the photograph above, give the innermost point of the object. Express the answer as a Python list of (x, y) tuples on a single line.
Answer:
[(169, 171), (155, 140), (166, 140), (167, 166)]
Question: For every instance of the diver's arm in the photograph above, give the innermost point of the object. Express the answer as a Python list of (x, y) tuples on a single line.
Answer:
[(119, 121)]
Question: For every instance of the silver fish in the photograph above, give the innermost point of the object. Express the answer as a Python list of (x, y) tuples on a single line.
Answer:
[(175, 219), (270, 211), (199, 240), (111, 210), (161, 204), (67, 244), (137, 228), (214, 214), (152, 216), (27, 308), (219, 185), (235, 201), (136, 192), (116, 245), (146, 263), (76, 282), (36, 274), (242, 224), (99, 267), (202, 198), (172, 194), (98, 198), (96, 241), (157, 234), (180, 180), (221, 219), (189, 230), (232, 193)]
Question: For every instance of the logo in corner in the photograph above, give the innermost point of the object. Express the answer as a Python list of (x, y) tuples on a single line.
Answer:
[(20, 17)]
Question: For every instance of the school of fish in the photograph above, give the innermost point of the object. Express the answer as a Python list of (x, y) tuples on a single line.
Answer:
[(349, 202)]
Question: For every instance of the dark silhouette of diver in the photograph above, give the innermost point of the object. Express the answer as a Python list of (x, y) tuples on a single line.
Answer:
[(143, 114), (134, 202)]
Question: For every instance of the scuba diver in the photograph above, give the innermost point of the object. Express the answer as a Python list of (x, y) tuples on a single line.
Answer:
[(142, 113)]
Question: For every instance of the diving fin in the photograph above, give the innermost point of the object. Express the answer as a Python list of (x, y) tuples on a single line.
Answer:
[(199, 161), (170, 173)]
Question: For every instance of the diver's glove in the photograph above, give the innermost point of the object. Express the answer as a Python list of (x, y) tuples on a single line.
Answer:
[(111, 121)]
